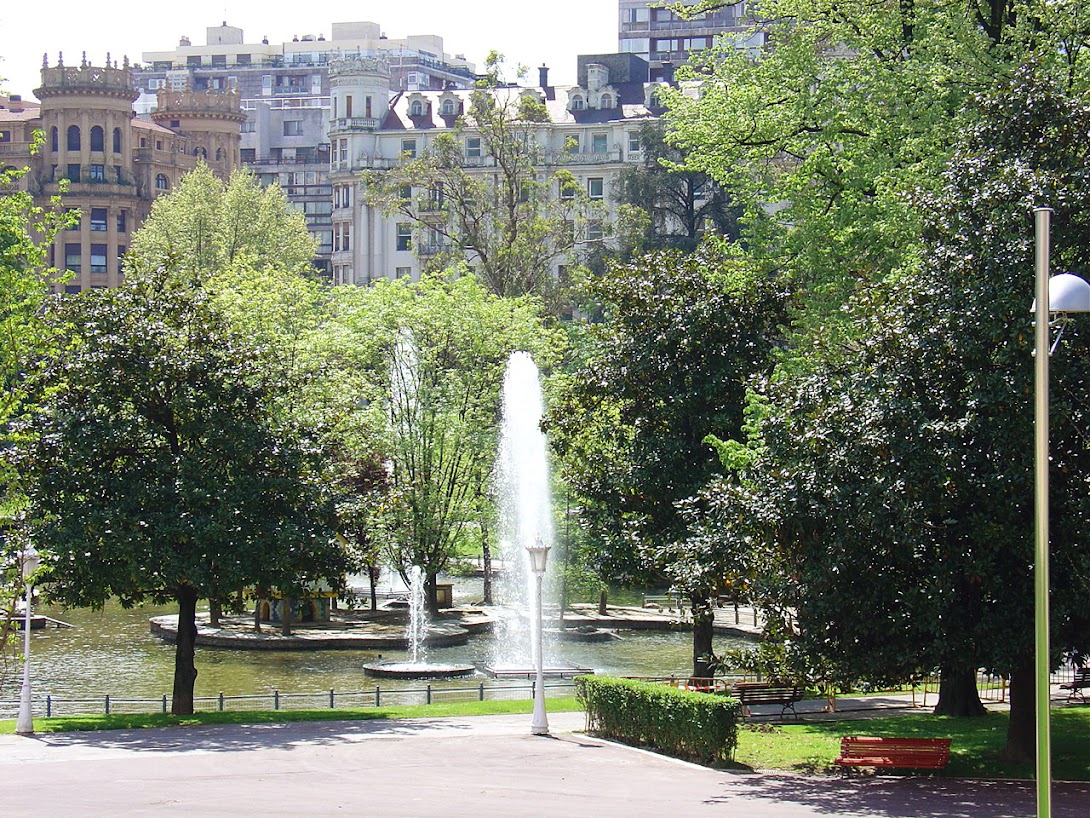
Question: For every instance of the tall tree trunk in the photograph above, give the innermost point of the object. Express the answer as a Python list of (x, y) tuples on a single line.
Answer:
[(958, 695), (372, 573), (486, 559), (215, 611), (285, 615), (185, 669), (703, 620), (1022, 728), (431, 599)]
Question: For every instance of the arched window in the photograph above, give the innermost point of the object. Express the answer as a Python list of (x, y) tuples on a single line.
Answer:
[(54, 139), (117, 140), (161, 182), (416, 108), (98, 138), (73, 137), (577, 103), (607, 102), (221, 154), (200, 153), (448, 107)]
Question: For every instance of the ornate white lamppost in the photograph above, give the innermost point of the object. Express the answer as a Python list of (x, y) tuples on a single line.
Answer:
[(539, 556), (1061, 294), (24, 726)]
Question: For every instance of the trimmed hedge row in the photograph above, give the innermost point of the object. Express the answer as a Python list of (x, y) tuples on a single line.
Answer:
[(698, 726)]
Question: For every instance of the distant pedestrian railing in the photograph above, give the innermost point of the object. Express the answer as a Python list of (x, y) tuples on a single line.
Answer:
[(57, 705)]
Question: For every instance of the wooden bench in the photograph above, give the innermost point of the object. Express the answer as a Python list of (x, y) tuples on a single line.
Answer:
[(905, 753), (749, 693), (1078, 685)]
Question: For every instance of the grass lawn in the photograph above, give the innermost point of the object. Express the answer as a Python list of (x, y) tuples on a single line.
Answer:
[(975, 751), (127, 721)]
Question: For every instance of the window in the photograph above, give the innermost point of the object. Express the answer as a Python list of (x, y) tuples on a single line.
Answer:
[(404, 272), (73, 137), (5, 136), (53, 139), (405, 192), (594, 231), (73, 257), (98, 258), (158, 144), (97, 173), (200, 153), (448, 107), (416, 108), (72, 289), (243, 59), (193, 60), (567, 189), (606, 102), (596, 188), (633, 141), (161, 182), (117, 175), (117, 140), (122, 221), (293, 127), (343, 143), (219, 60), (473, 147), (221, 154), (73, 173), (599, 143), (408, 148), (98, 139), (577, 103), (404, 236), (120, 258), (98, 219)]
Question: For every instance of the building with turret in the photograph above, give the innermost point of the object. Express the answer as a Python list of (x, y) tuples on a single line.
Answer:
[(105, 162)]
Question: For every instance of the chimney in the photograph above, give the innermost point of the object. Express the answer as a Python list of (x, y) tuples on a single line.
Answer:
[(668, 72), (543, 76), (15, 103)]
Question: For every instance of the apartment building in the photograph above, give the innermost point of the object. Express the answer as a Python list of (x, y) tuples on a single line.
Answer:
[(666, 40), (591, 130), (108, 163), (284, 90)]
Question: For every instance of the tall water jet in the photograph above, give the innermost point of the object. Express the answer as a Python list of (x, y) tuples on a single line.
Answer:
[(525, 503)]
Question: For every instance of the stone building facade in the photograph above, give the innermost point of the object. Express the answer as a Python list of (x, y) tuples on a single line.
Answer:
[(105, 162)]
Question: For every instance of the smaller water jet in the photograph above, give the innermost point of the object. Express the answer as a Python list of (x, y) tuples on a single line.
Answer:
[(417, 633)]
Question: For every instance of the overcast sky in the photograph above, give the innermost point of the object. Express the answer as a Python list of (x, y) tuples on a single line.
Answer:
[(530, 32)]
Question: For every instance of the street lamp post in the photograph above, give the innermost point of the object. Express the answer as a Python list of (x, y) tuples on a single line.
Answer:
[(1063, 293), (24, 726), (539, 555)]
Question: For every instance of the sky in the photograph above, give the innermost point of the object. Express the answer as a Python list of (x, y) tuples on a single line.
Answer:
[(526, 32)]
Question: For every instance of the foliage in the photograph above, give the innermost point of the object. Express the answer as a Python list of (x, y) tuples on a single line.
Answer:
[(157, 470), (493, 211), (436, 352), (207, 226), (668, 366), (906, 455), (698, 726), (675, 204)]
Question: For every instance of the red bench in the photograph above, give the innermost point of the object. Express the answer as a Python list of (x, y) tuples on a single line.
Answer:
[(906, 753)]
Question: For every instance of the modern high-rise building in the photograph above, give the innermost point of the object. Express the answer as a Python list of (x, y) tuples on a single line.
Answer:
[(285, 91), (108, 163), (665, 40)]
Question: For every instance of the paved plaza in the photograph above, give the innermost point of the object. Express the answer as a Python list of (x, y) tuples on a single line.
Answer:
[(482, 767)]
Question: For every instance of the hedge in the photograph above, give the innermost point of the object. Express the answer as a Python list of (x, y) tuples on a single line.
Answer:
[(698, 726)]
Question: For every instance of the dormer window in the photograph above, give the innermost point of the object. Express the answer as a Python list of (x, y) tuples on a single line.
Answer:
[(606, 102), (577, 103), (450, 107), (416, 108)]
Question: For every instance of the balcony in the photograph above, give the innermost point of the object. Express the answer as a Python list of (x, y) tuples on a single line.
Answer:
[(355, 123), (583, 158)]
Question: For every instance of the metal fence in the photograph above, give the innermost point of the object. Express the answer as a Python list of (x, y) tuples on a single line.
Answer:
[(57, 705)]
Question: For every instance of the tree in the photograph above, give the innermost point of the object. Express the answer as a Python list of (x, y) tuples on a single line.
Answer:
[(676, 205), (905, 455), (681, 336), (437, 350), (207, 226), (496, 211), (157, 470)]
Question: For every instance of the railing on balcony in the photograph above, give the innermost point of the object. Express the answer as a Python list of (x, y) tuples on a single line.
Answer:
[(355, 123)]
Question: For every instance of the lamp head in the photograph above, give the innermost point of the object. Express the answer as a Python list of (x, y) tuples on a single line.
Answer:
[(539, 556), (31, 561), (1067, 292)]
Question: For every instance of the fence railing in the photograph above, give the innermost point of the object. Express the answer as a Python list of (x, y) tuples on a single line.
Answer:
[(49, 704)]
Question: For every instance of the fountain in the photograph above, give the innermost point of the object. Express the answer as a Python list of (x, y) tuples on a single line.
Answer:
[(418, 667), (526, 514)]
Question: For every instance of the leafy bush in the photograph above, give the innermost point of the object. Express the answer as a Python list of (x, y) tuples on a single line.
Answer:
[(698, 726)]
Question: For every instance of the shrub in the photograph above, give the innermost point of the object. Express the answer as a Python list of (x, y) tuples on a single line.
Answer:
[(698, 726)]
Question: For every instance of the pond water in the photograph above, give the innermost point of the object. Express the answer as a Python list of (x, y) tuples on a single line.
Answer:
[(113, 652)]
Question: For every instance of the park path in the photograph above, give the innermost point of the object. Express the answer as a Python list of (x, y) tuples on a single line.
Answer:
[(482, 766)]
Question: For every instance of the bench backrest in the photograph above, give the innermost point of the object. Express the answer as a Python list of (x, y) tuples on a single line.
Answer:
[(873, 747), (766, 694)]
